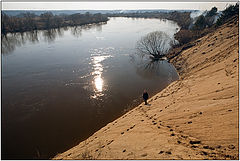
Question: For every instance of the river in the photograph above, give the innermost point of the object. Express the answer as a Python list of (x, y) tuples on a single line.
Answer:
[(62, 85)]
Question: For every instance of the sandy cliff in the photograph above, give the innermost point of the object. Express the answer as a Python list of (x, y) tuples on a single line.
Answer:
[(195, 117)]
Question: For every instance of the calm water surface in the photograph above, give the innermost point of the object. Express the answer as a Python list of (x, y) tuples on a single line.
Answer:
[(62, 85)]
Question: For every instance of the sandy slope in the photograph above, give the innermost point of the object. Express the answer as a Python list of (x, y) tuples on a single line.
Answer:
[(194, 118)]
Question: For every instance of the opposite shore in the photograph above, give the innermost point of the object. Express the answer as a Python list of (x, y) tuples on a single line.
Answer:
[(195, 117)]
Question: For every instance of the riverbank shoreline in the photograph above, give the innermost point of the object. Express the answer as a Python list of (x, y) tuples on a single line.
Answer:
[(47, 21), (195, 117)]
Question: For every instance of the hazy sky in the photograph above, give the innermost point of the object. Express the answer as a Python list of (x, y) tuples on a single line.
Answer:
[(111, 5)]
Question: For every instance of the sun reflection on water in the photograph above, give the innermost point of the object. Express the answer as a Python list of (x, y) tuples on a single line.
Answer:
[(97, 57), (98, 83)]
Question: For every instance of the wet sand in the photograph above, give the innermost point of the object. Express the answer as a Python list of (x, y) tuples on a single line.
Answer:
[(195, 117)]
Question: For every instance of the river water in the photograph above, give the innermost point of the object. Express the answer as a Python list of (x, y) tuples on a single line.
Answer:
[(62, 85)]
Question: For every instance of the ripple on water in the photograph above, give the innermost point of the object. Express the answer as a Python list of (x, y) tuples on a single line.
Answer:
[(97, 57)]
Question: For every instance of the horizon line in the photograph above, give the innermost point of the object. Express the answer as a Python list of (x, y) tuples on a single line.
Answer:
[(97, 9)]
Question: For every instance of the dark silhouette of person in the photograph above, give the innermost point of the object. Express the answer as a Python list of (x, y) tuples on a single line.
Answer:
[(145, 96)]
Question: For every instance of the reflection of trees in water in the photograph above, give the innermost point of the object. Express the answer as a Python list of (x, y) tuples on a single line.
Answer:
[(150, 69), (60, 32), (99, 26), (51, 34), (11, 41), (65, 28), (6, 46), (154, 69), (32, 36), (77, 30)]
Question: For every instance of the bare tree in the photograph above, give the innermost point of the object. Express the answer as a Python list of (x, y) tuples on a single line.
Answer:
[(155, 44)]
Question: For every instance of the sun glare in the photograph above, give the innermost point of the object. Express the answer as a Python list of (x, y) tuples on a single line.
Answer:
[(97, 57), (98, 83)]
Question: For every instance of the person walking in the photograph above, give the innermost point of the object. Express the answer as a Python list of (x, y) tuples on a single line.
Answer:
[(145, 96)]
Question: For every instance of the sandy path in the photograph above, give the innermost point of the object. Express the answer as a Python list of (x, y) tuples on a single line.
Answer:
[(195, 117)]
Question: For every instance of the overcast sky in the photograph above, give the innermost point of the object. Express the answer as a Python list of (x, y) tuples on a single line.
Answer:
[(112, 5)]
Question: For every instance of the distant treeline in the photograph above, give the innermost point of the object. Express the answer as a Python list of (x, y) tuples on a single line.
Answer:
[(29, 21), (183, 19)]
